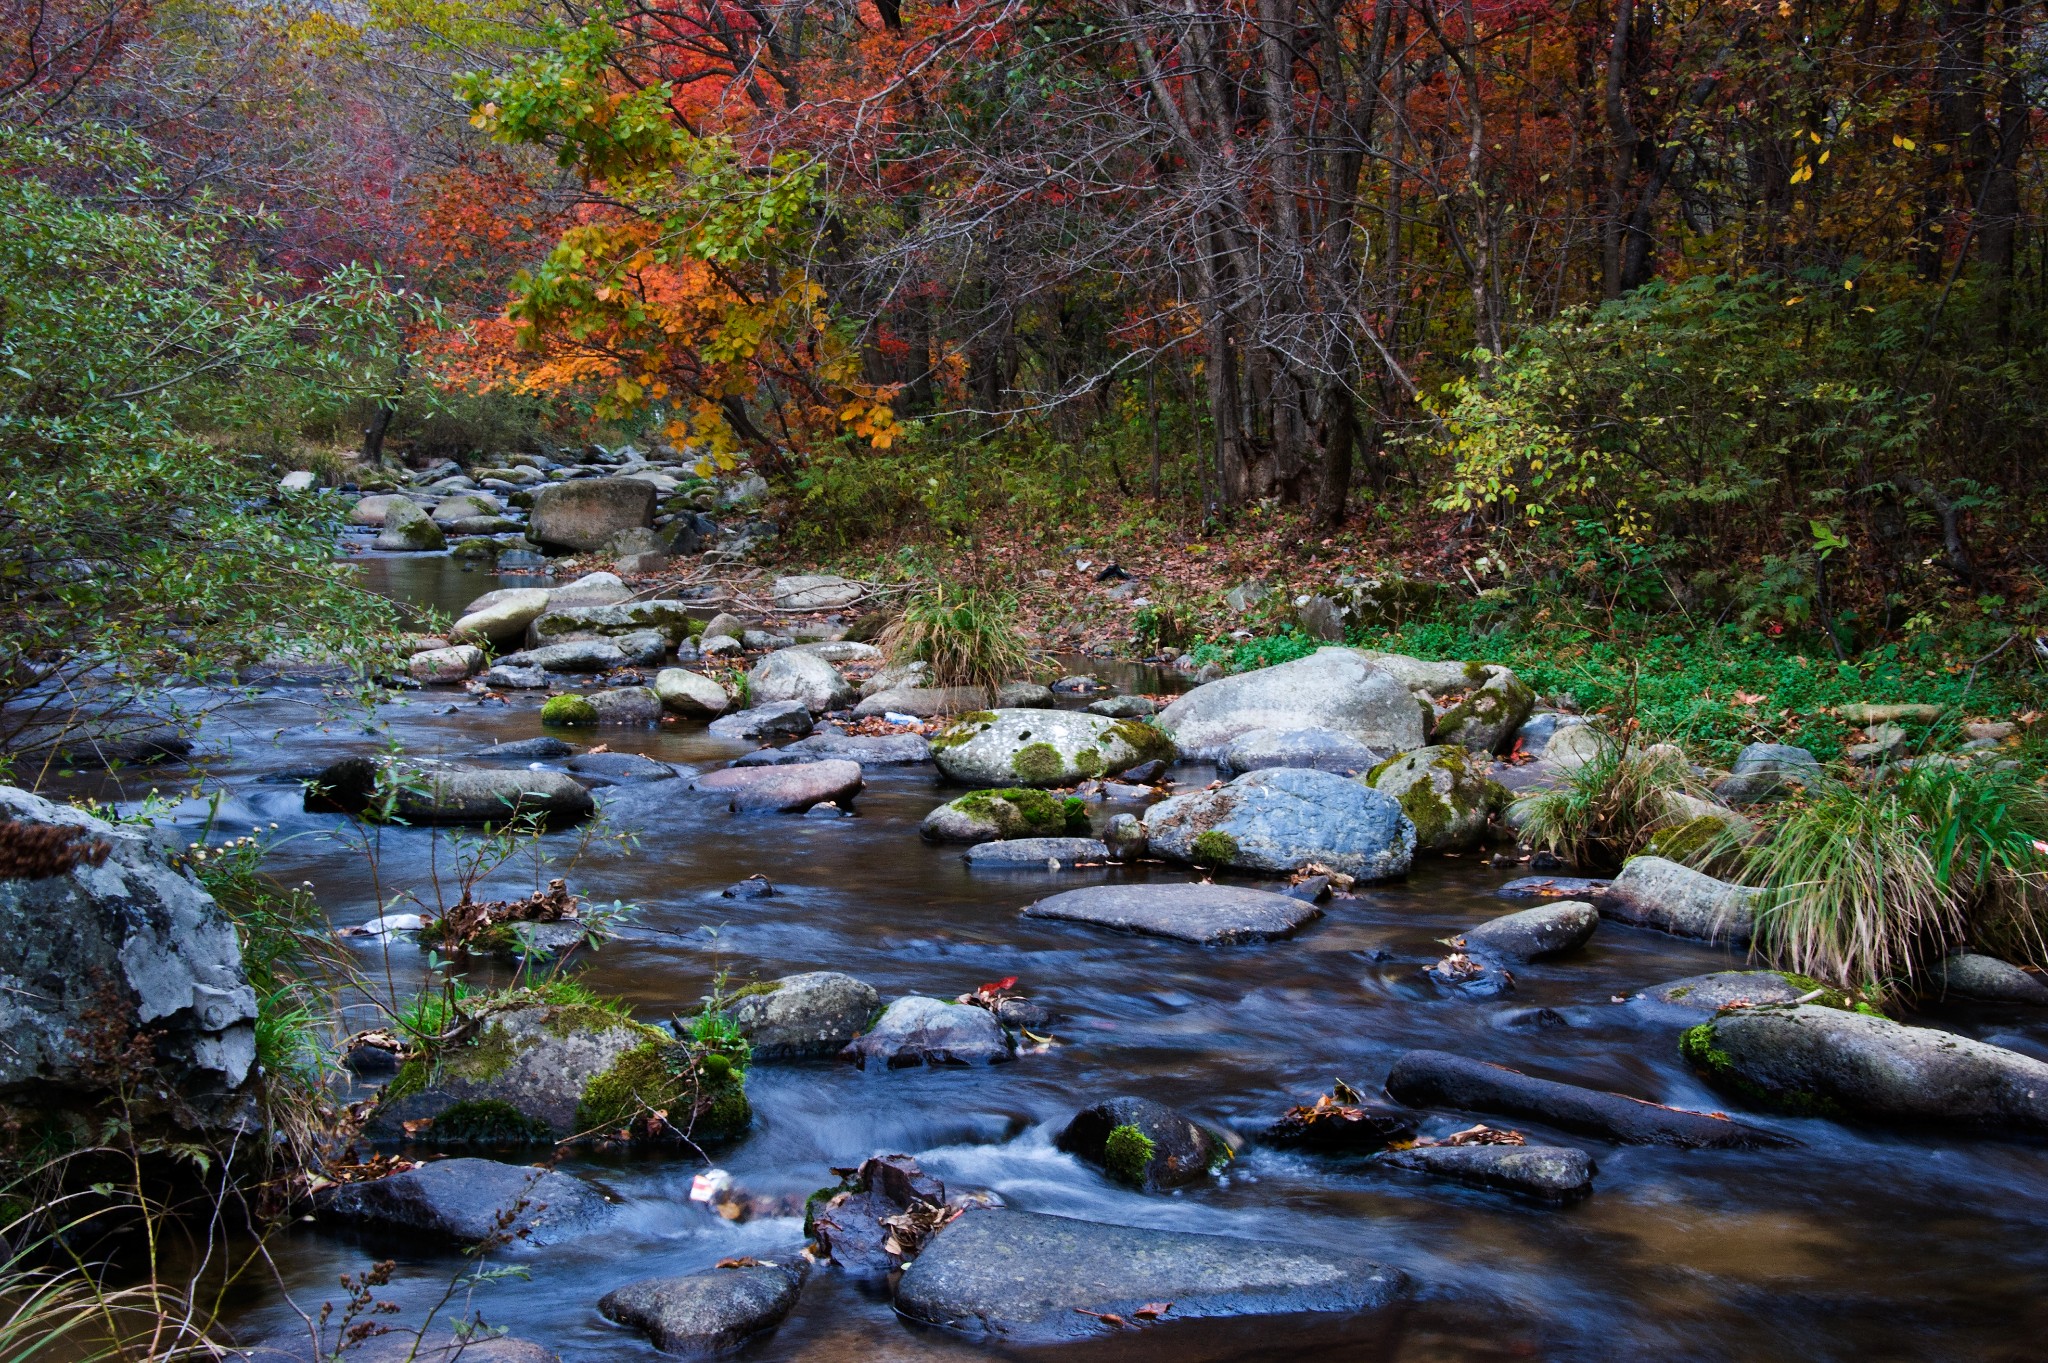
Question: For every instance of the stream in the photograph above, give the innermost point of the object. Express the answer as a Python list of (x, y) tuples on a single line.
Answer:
[(1859, 1244)]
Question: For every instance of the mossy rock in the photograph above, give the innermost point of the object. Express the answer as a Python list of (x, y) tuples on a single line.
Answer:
[(663, 1088), (1443, 793), (1016, 812), (1214, 848), (1127, 1154), (1045, 748), (569, 712), (1717, 1067), (1486, 719)]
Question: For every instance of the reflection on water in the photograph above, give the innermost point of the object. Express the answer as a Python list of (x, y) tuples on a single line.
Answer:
[(1856, 1245)]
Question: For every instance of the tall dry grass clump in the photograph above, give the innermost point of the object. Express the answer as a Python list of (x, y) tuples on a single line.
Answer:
[(965, 636)]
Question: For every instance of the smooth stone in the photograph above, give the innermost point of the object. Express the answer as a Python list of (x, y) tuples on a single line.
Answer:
[(468, 1201), (1321, 749), (627, 706), (463, 506), (705, 1312), (1485, 718), (1534, 737), (1043, 747), (591, 589), (1333, 688), (886, 750), (839, 650), (1652, 892), (1712, 992), (446, 666), (1551, 1172), (1971, 976), (787, 719), (922, 702), (1123, 707), (408, 530), (1864, 714), (1765, 771), (1036, 854), (1553, 887), (690, 693), (1282, 819), (672, 619), (785, 790), (298, 480), (1183, 1151), (502, 616), (1210, 915), (588, 655), (789, 675), (530, 747), (1026, 1276), (1023, 695), (817, 1013), (583, 515), (988, 815), (620, 766), (373, 509), (1528, 934), (815, 592), (763, 640), (433, 792), (505, 678), (921, 1031)]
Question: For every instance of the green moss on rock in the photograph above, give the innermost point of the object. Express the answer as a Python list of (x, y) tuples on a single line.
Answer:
[(1017, 812), (488, 1121), (569, 712), (1214, 848), (963, 729), (1039, 763), (1697, 1045), (1127, 1154), (1151, 743)]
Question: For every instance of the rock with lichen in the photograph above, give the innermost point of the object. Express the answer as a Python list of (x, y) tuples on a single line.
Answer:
[(1335, 689), (1444, 792), (1016, 812), (1044, 747), (1283, 819)]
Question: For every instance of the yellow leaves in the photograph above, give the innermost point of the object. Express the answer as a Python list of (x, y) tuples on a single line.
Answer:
[(1801, 175), (1904, 143)]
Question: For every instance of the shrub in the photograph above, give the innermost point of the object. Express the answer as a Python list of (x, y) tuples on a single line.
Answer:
[(965, 636), (1609, 809)]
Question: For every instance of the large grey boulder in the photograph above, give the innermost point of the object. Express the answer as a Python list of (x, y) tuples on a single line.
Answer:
[(1555, 1173), (817, 1013), (1211, 915), (698, 1313), (922, 702), (591, 589), (627, 706), (815, 592), (422, 791), (921, 1031), (690, 693), (407, 529), (1971, 976), (671, 618), (1445, 793), (880, 750), (1030, 1277), (1332, 688), (373, 509), (788, 789), (583, 515), (1652, 892), (1765, 771), (1831, 1062), (1281, 820), (1043, 747), (503, 615), (788, 675), (1530, 934), (463, 506), (467, 1202), (103, 942), (1321, 749), (445, 666)]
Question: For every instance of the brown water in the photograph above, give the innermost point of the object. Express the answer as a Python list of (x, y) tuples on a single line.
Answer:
[(1857, 1245)]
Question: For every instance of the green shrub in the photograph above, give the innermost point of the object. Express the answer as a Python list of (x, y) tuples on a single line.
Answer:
[(963, 635), (1608, 810)]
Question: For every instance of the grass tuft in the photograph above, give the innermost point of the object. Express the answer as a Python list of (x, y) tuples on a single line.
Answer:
[(965, 637)]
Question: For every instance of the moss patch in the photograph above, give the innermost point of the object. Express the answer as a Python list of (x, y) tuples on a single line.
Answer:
[(1214, 848), (569, 712), (705, 1095), (963, 729), (1150, 742), (1040, 764), (1696, 1044), (1015, 812), (1127, 1155), (1088, 762), (487, 1121)]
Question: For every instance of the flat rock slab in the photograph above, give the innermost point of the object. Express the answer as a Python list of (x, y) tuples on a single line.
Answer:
[(784, 719), (1036, 854), (1552, 1172), (1652, 892), (1210, 915), (701, 1312), (1439, 1079), (1554, 887), (619, 767), (886, 750), (462, 1200), (1728, 989), (1031, 1277), (784, 790)]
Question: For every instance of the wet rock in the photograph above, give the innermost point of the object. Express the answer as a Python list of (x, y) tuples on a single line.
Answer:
[(446, 666), (99, 932), (1968, 975), (1531, 1019), (923, 702), (1652, 892), (1124, 835), (1476, 977), (93, 743), (401, 1345), (1555, 1173), (373, 509), (543, 746), (785, 719), (1830, 1062), (1333, 688), (1439, 1079), (1341, 1122), (717, 1309), (690, 693), (793, 676), (1283, 819), (755, 887), (503, 678), (1547, 930), (1444, 792), (785, 790), (464, 506), (764, 640), (986, 815), (817, 1013), (1321, 749), (438, 792), (1024, 695), (592, 589), (1735, 989), (879, 1216), (622, 706), (408, 530), (921, 1031), (463, 1201), (1142, 1143), (1123, 707), (670, 619), (588, 655), (502, 616), (619, 767), (1211, 915), (886, 750), (1533, 738), (584, 514), (1029, 1277), (1765, 771), (816, 592), (1078, 685), (1554, 887), (1043, 747), (1037, 854)]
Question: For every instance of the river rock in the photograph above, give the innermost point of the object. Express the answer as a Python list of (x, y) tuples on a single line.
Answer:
[(446, 666), (1283, 819), (544, 746), (401, 1345), (1321, 749), (373, 509), (1533, 738), (1652, 892), (1526, 935), (792, 676), (1444, 793), (1439, 1079), (1830, 1062), (501, 617), (671, 618), (1175, 1149), (1210, 915), (1766, 771), (985, 815), (1123, 707), (764, 640), (503, 678), (1332, 688), (1485, 718), (837, 650), (1971, 976), (1037, 854), (584, 514), (783, 719), (883, 750), (921, 1031), (464, 506), (591, 589), (619, 767), (1043, 747), (468, 1202), (1124, 835), (443, 792), (1025, 695), (407, 529), (622, 706), (1556, 1173), (100, 936), (1720, 989), (585, 655), (815, 592), (698, 1313), (690, 693), (788, 789), (818, 1013), (923, 702), (1029, 1277), (1572, 748)]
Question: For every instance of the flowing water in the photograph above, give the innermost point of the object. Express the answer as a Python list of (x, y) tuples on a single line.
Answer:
[(1858, 1244)]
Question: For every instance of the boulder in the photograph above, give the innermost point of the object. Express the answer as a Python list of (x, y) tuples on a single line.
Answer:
[(501, 617), (1124, 835), (1333, 688), (407, 529), (1555, 1173), (725, 623), (467, 1202), (1142, 1143), (1320, 749), (884, 750), (543, 746), (372, 510), (690, 693), (1652, 892), (615, 768), (1534, 737), (923, 702), (699, 1313), (1043, 747), (1123, 707), (818, 1013), (763, 641), (463, 506), (431, 792), (588, 655), (671, 618), (805, 677), (1210, 915), (1444, 793), (785, 790), (1968, 975), (503, 678), (815, 592), (583, 515), (1025, 695), (1030, 1278), (1483, 719), (591, 589), (1571, 748), (635, 706), (1283, 819), (1738, 989), (784, 719), (102, 942), (1766, 771), (299, 480), (569, 712), (985, 815), (1037, 854), (446, 666), (920, 1031), (1526, 935), (1439, 1079), (1830, 1062)]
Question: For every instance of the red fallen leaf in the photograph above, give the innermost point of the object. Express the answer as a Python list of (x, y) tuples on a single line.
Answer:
[(1007, 982), (740, 1261), (1106, 1317), (1152, 1310)]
